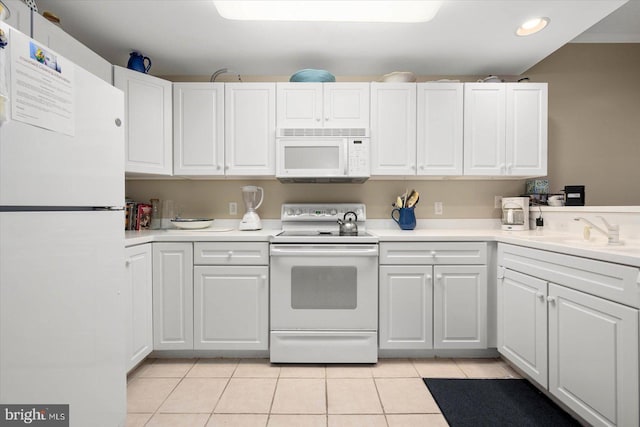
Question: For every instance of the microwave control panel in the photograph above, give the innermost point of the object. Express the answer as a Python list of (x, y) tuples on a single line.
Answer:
[(358, 157)]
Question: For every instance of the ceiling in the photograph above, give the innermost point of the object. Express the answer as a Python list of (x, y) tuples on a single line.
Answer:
[(472, 37)]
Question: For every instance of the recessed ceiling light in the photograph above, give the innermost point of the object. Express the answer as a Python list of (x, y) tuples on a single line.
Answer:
[(340, 11), (4, 12), (532, 26)]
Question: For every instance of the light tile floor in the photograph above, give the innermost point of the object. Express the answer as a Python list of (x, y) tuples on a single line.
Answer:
[(253, 392)]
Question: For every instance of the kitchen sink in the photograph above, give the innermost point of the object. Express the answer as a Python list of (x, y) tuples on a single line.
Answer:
[(595, 244)]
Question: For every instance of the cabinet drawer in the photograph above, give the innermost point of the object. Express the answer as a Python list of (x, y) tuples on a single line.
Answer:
[(231, 253), (423, 253), (614, 282)]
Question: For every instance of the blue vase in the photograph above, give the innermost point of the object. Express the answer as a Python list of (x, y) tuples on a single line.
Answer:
[(137, 62)]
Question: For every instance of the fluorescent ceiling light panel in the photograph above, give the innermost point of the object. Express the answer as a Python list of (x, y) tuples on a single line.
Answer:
[(329, 10)]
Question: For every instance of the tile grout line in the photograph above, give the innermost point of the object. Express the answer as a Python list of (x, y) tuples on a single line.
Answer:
[(157, 411), (213, 411)]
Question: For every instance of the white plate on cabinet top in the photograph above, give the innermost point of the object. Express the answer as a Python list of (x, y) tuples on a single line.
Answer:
[(192, 223), (204, 230)]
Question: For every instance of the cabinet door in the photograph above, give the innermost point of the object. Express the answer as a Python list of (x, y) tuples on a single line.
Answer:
[(299, 105), (19, 16), (346, 105), (484, 128), (57, 39), (198, 129), (440, 124), (393, 128), (138, 303), (593, 357), (231, 308), (522, 323), (148, 121), (406, 302), (460, 306), (250, 119), (526, 131), (172, 296)]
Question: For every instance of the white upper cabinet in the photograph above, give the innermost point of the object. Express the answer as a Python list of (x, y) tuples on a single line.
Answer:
[(526, 149), (148, 122), (440, 125), (198, 129), (54, 37), (299, 105), (330, 105), (393, 128), (19, 15), (484, 128), (250, 119), (505, 129)]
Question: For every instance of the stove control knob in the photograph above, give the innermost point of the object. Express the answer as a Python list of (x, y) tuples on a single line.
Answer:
[(298, 212), (289, 212), (333, 212), (359, 213)]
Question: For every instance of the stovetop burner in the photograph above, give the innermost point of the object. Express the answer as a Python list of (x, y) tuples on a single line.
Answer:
[(318, 223)]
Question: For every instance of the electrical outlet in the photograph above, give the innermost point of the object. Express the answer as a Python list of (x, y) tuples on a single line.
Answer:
[(233, 208), (437, 208), (497, 202)]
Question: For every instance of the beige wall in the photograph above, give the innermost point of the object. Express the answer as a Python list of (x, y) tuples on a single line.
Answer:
[(461, 199), (594, 139), (594, 120)]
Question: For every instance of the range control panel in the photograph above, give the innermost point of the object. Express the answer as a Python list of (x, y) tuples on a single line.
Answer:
[(321, 212)]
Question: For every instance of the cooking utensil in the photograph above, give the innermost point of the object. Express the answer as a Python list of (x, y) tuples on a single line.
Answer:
[(413, 199), (349, 227)]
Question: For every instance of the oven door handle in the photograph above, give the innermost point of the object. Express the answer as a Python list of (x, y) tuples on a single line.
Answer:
[(306, 251)]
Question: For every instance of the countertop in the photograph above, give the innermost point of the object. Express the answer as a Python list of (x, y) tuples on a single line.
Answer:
[(596, 248)]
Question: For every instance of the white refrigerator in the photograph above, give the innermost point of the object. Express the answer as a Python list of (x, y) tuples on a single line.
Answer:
[(61, 236)]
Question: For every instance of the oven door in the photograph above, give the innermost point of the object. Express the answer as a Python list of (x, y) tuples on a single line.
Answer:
[(324, 287)]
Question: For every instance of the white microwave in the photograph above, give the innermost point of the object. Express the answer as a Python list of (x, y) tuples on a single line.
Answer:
[(309, 157)]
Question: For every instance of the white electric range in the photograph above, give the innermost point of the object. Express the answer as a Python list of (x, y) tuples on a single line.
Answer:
[(324, 287)]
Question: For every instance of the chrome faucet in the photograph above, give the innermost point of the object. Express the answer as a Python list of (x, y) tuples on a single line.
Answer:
[(612, 232)]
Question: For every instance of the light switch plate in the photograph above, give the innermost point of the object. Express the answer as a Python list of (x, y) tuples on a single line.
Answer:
[(233, 208)]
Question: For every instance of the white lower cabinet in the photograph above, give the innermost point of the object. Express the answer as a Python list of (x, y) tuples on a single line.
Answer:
[(593, 356), (522, 323), (582, 347), (221, 303), (406, 301), (231, 307), (138, 300), (460, 306), (172, 296), (231, 296), (428, 299)]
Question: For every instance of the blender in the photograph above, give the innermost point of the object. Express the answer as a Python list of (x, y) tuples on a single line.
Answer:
[(251, 220)]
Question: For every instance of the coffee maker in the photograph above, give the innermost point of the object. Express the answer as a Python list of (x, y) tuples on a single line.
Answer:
[(251, 220), (515, 213)]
